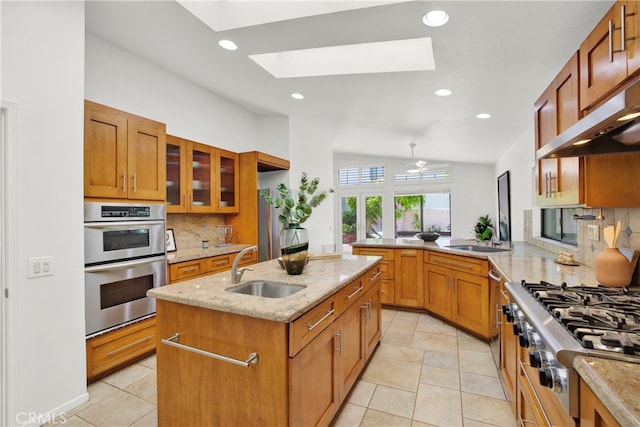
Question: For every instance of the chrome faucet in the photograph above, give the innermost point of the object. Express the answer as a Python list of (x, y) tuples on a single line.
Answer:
[(495, 241), (236, 273)]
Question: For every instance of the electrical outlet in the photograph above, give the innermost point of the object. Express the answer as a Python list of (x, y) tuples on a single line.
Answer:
[(40, 267), (593, 232), (205, 226)]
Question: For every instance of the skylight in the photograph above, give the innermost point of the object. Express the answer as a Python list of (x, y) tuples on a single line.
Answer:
[(376, 57)]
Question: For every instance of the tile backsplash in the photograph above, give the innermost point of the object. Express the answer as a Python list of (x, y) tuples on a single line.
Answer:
[(587, 250), (191, 229)]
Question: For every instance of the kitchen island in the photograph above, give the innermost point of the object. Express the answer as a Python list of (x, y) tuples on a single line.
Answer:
[(227, 358)]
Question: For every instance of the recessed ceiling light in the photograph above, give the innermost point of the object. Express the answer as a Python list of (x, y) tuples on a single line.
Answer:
[(443, 92), (483, 116), (228, 44), (297, 95), (435, 18)]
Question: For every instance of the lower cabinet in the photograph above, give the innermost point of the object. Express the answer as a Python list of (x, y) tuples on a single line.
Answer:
[(508, 352), (199, 267), (409, 287), (116, 348), (304, 371), (387, 271), (592, 412)]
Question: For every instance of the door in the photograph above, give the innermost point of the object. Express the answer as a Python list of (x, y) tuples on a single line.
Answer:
[(176, 175), (355, 207), (147, 159), (437, 292), (468, 292)]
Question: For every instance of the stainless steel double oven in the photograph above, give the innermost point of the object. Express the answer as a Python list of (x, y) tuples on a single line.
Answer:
[(125, 256)]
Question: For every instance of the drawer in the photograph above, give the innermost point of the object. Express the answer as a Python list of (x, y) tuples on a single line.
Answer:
[(387, 270), (308, 326), (116, 348), (371, 277), (461, 263), (250, 257), (386, 254), (350, 294), (186, 270), (219, 263)]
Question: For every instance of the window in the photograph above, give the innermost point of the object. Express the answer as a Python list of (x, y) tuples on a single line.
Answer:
[(443, 175), (422, 212), (558, 224), (361, 175)]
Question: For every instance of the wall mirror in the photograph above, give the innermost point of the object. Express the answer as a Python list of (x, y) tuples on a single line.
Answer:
[(504, 207)]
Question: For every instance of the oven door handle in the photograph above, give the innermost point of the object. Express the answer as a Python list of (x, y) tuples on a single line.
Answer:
[(116, 224), (122, 265)]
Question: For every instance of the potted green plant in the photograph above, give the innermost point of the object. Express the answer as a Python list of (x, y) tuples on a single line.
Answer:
[(484, 228), (296, 208)]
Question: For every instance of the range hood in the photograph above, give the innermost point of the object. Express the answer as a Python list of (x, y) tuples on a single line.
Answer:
[(613, 127)]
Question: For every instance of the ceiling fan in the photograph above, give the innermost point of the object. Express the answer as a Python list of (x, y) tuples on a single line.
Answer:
[(417, 166)]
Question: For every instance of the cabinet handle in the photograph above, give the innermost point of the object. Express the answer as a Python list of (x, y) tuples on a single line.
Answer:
[(610, 40), (135, 182), (498, 322), (217, 263), (369, 310), (547, 184), (190, 269), (141, 340), (375, 276), (124, 181), (456, 264), (173, 342), (354, 292), (408, 253), (322, 319), (494, 275), (339, 349), (622, 28), (184, 199)]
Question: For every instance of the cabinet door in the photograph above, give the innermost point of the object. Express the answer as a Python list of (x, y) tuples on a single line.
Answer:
[(227, 182), (176, 175), (200, 188), (314, 394), (373, 324), (105, 152), (602, 63), (146, 159), (508, 352), (437, 290), (612, 180), (351, 345), (409, 286), (592, 412), (470, 302)]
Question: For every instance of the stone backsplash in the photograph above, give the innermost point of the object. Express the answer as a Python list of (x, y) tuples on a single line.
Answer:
[(191, 229), (587, 250)]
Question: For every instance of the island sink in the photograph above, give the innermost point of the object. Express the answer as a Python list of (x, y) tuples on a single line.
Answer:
[(474, 248), (267, 289)]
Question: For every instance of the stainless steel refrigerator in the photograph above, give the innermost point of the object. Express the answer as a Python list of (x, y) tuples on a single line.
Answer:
[(268, 229)]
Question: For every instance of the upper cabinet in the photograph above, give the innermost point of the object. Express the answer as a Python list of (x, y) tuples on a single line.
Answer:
[(610, 53), (200, 178), (124, 155), (558, 181)]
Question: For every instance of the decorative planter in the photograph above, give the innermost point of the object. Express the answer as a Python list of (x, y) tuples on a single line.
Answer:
[(613, 268), (294, 245)]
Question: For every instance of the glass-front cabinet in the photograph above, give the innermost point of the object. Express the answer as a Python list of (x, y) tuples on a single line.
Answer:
[(227, 181), (201, 167), (176, 160)]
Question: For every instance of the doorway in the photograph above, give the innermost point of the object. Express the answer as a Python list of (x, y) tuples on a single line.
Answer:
[(354, 208)]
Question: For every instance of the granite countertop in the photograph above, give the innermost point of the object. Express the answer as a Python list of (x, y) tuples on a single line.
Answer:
[(321, 278), (190, 254), (615, 383), (523, 262)]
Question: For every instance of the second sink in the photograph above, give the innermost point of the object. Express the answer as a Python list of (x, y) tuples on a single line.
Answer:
[(267, 289), (474, 248)]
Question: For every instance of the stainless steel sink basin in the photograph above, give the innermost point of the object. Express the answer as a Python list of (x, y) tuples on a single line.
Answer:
[(266, 288), (474, 248)]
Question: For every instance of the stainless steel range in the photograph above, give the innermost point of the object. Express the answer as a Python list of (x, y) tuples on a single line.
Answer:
[(557, 323)]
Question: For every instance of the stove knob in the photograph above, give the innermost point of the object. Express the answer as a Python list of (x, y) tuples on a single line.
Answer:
[(524, 340), (522, 330), (540, 359), (530, 338), (554, 378), (517, 328), (506, 310)]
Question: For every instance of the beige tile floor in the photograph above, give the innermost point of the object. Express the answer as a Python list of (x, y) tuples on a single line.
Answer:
[(424, 373)]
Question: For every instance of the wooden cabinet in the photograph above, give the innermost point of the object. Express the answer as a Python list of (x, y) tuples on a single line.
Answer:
[(304, 370), (409, 284), (612, 180), (124, 155), (457, 288), (119, 347), (558, 181), (508, 351), (609, 54), (387, 271), (199, 267), (245, 222), (227, 182), (592, 412), (176, 165)]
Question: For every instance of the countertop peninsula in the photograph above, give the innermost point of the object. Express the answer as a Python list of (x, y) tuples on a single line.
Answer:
[(321, 278)]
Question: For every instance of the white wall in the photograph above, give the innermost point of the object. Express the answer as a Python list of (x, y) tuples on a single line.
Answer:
[(42, 72), (519, 160)]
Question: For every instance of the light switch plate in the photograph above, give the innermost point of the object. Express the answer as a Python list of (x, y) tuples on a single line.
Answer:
[(593, 232), (40, 267)]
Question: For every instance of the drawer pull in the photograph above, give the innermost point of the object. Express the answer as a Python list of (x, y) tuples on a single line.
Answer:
[(141, 340), (322, 319), (494, 275), (225, 262), (190, 269), (409, 253), (375, 276), (173, 342), (354, 293), (456, 264)]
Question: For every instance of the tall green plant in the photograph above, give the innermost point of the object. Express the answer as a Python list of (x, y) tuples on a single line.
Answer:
[(297, 208)]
